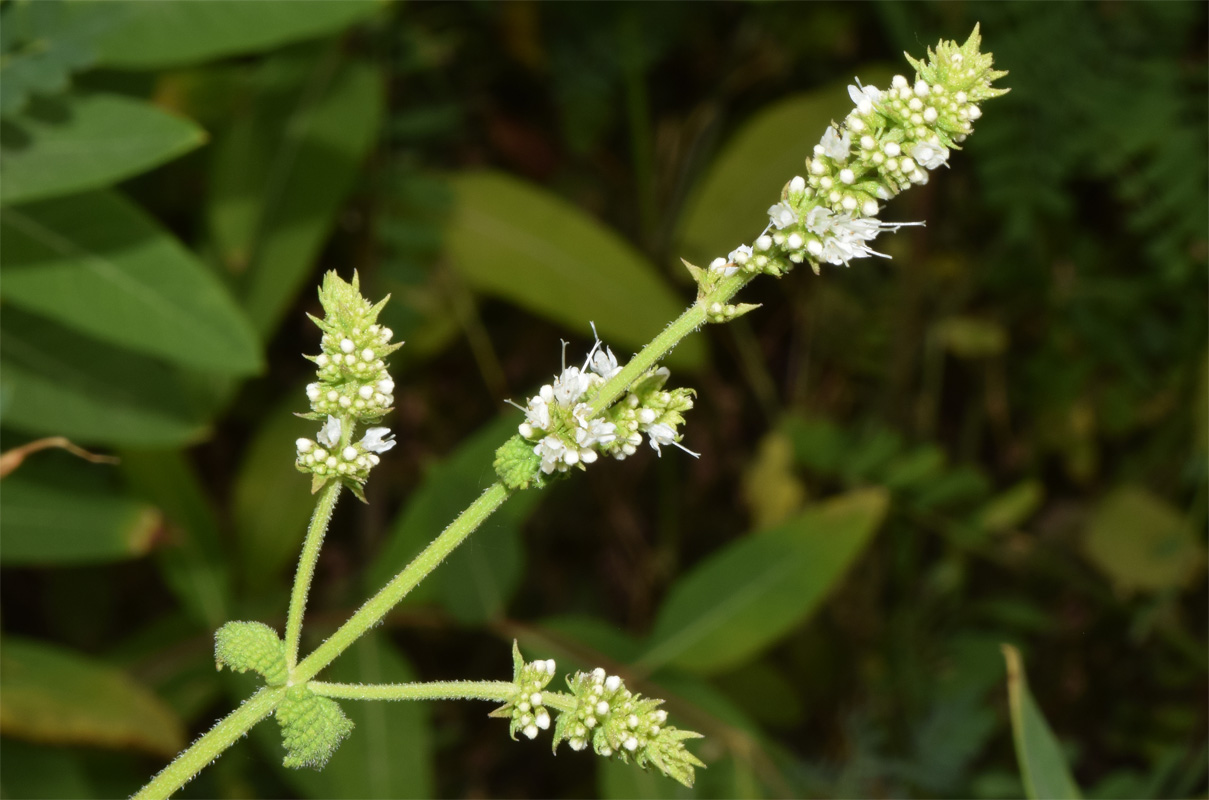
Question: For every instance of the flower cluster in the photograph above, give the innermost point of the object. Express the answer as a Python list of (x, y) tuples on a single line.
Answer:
[(622, 724), (525, 708), (353, 386), (327, 458), (564, 433), (888, 142)]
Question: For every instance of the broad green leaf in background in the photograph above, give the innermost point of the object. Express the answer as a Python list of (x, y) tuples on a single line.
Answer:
[(1012, 507), (57, 382), (97, 263), (44, 43), (271, 502), (55, 523), (191, 558), (34, 771), (389, 753), (52, 695), (177, 32), (531, 247), (1143, 544), (1042, 765), (970, 337), (72, 143), (282, 171), (728, 207), (748, 595), (479, 578)]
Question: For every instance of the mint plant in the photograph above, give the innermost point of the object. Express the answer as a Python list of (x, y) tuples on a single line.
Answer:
[(892, 139)]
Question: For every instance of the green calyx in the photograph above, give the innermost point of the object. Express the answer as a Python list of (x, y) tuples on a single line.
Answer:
[(961, 68)]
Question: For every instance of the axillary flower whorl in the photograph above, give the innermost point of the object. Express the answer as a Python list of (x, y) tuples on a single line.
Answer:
[(560, 431), (353, 387)]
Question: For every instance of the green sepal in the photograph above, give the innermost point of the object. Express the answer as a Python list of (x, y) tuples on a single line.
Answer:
[(356, 487), (312, 727), (517, 466), (693, 270), (254, 646), (318, 481)]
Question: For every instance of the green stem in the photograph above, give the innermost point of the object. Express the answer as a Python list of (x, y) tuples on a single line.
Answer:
[(498, 691), (381, 603), (211, 745), (661, 345), (306, 569)]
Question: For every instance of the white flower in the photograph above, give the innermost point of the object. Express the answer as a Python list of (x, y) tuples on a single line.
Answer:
[(930, 156), (551, 450), (834, 145), (663, 434), (723, 266), (604, 363), (864, 96), (740, 255), (782, 215), (330, 433), (537, 413), (570, 386), (378, 440), (845, 237)]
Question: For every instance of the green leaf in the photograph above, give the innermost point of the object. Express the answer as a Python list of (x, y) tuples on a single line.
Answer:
[(98, 264), (970, 337), (251, 646), (72, 143), (52, 695), (271, 501), (67, 521), (729, 206), (1143, 544), (192, 558), (312, 728), (57, 382), (391, 753), (281, 172), (33, 771), (533, 248), (1011, 508), (479, 578), (44, 43), (753, 592), (175, 33), (1042, 765)]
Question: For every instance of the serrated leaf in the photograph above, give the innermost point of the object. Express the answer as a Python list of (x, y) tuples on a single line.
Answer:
[(77, 142), (1042, 765), (312, 727), (98, 264), (531, 247), (50, 694), (57, 382), (172, 34), (748, 595), (281, 172), (61, 520), (254, 646), (478, 579), (729, 206)]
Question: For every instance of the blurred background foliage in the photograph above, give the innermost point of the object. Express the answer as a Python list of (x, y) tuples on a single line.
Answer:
[(997, 437)]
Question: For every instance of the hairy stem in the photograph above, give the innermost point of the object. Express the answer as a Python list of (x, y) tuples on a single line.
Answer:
[(499, 691), (306, 569), (381, 603), (211, 745)]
